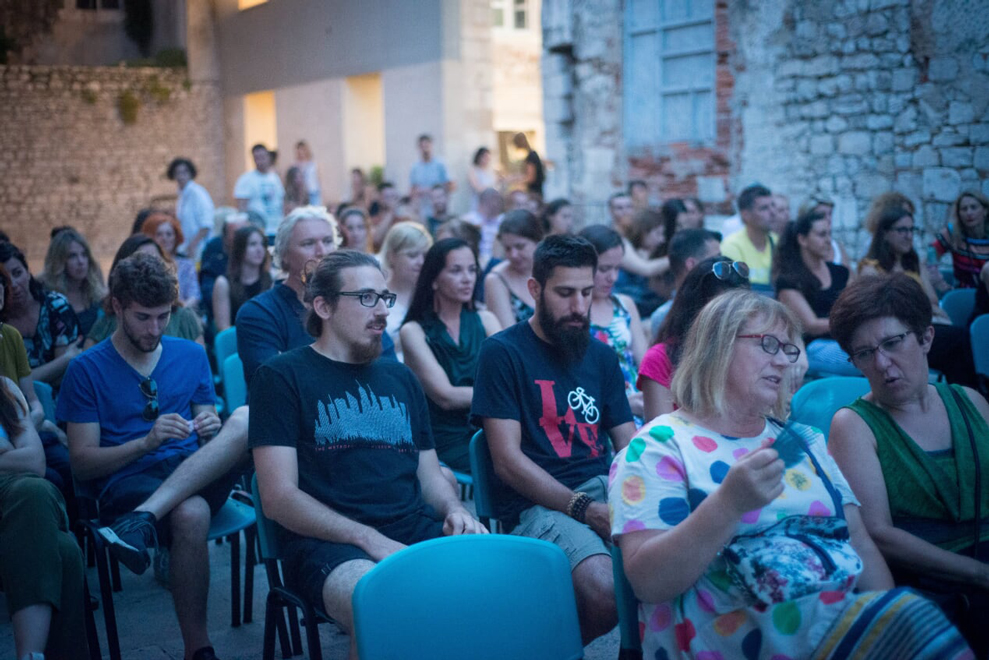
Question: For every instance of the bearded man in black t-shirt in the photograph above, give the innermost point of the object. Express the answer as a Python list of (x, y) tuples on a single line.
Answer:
[(546, 396), (342, 443)]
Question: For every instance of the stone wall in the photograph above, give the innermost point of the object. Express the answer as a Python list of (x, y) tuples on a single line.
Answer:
[(849, 98), (68, 156)]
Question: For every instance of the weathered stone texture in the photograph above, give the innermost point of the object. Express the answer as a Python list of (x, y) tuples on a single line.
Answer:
[(71, 159)]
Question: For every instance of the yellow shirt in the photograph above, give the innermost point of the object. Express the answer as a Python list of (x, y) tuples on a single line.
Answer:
[(738, 247)]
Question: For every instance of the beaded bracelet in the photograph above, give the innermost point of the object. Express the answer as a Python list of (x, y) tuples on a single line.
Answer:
[(579, 503)]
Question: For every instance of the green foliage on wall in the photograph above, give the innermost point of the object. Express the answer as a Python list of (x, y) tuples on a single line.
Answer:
[(128, 104)]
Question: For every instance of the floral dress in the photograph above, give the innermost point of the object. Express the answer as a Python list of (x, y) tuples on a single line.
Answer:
[(657, 481), (57, 326), (618, 335)]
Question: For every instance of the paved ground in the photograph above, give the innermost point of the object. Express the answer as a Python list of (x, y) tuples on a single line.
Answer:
[(148, 630)]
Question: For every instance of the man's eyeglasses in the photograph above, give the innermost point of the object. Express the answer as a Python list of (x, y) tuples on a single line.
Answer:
[(371, 298), (723, 269), (149, 388), (772, 345), (888, 347), (904, 231)]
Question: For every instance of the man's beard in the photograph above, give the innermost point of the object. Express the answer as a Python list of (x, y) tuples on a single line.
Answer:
[(365, 353), (569, 343), (136, 341)]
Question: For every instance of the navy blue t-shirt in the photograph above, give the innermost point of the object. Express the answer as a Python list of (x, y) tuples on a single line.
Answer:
[(562, 408), (358, 430)]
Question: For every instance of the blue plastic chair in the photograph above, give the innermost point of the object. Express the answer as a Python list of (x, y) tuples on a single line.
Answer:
[(816, 402), (958, 305), (979, 332), (234, 385), (628, 610), (486, 482), (487, 597), (224, 345), (281, 597)]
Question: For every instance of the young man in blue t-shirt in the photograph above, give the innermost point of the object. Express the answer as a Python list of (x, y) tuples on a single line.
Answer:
[(546, 394), (342, 443), (137, 406)]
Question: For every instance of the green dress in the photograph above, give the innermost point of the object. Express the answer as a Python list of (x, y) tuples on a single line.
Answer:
[(452, 430), (931, 494)]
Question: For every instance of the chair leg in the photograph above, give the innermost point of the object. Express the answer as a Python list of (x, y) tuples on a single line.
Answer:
[(115, 573), (235, 579), (91, 635), (283, 637), (293, 629), (268, 647), (250, 561), (106, 593), (312, 637)]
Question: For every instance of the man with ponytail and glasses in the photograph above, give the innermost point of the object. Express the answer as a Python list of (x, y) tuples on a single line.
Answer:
[(146, 443)]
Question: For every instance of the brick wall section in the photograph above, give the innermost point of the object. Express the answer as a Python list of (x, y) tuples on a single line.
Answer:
[(68, 158)]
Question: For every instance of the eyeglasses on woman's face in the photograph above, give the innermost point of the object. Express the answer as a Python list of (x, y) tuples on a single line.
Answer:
[(889, 347), (903, 231), (772, 345)]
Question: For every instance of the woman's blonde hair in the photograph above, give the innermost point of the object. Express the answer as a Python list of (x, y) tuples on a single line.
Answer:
[(959, 235), (404, 236), (93, 288), (699, 382)]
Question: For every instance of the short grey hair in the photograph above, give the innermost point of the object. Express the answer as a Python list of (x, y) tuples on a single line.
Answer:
[(292, 219)]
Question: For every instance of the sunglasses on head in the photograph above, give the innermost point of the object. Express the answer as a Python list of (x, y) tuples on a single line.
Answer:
[(723, 270)]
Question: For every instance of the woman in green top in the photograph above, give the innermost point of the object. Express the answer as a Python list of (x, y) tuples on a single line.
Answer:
[(915, 454), (441, 336)]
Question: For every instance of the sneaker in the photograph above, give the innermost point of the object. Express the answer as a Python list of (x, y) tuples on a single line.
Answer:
[(205, 653), (129, 539)]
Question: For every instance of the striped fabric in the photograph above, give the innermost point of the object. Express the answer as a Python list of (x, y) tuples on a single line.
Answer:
[(967, 260), (893, 624)]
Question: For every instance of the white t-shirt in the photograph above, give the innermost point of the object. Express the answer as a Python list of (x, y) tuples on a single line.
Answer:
[(194, 209), (264, 194)]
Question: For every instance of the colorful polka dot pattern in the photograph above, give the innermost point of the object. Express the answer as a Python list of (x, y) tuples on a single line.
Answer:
[(666, 473)]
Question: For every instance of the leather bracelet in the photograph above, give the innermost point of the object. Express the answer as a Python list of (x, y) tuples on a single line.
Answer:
[(579, 503)]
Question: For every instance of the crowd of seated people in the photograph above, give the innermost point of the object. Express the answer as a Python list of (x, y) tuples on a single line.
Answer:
[(670, 419)]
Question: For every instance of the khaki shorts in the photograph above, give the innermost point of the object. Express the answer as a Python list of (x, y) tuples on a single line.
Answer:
[(576, 539)]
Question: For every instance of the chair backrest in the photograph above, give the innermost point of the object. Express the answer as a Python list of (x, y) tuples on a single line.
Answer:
[(958, 305), (481, 597), (489, 490), (44, 393), (234, 385), (816, 402), (979, 332), (268, 530), (628, 606), (224, 345)]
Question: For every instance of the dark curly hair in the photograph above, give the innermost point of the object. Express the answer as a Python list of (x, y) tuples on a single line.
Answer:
[(145, 280), (37, 290)]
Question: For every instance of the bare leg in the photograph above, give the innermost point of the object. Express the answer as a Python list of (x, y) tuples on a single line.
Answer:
[(212, 460), (189, 571), (594, 588), (31, 625), (338, 589)]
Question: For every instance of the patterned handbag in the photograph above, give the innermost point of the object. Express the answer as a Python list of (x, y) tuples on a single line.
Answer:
[(797, 556)]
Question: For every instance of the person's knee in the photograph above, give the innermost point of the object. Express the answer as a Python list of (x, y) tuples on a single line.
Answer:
[(190, 520), (594, 588), (338, 591), (37, 496)]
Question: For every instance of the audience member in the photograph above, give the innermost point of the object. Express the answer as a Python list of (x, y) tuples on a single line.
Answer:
[(439, 197), (966, 236), (44, 318), (518, 200), (754, 243), (353, 229), (296, 194), (533, 174), (271, 323), (695, 209), (486, 218), (480, 175), (260, 190), (882, 203), (808, 283), (136, 408), (167, 232), (676, 216), (40, 562), (709, 278), (638, 192), (636, 270), (912, 452), (441, 340), (216, 253), (546, 396), (13, 356), (705, 490), (824, 204), (71, 270), (403, 254), (349, 487), (182, 323), (360, 193), (688, 247), (645, 266), (248, 275), (614, 319), (194, 208), (781, 214), (305, 162), (426, 173), (558, 218), (620, 210), (383, 213), (458, 228), (506, 288)]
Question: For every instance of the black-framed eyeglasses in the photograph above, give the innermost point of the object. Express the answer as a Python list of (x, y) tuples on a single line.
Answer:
[(888, 347), (371, 298), (723, 270), (772, 345), (149, 388), (903, 231)]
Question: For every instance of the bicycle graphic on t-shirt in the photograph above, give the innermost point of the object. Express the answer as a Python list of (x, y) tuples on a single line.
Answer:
[(579, 400)]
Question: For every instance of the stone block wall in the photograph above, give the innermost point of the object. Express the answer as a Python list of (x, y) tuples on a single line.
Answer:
[(68, 157)]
